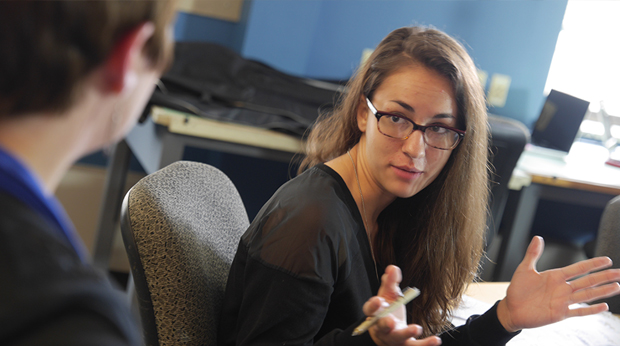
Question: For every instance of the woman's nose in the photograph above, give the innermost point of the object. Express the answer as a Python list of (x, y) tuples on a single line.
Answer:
[(414, 146)]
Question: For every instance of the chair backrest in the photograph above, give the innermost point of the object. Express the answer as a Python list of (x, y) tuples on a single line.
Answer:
[(508, 139), (608, 242), (181, 226)]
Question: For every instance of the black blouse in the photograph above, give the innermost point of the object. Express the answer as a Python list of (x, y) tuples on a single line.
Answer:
[(303, 270)]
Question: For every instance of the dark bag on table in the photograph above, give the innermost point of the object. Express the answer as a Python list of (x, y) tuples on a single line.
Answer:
[(215, 82)]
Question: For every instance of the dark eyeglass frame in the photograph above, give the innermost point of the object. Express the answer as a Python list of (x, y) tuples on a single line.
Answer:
[(379, 114)]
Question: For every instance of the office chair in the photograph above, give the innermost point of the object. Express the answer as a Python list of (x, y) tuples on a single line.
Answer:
[(181, 226), (608, 242), (508, 139)]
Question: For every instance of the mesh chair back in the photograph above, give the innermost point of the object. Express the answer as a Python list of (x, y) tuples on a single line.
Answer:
[(181, 226)]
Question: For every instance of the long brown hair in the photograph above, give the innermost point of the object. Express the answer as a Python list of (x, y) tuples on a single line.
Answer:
[(437, 236)]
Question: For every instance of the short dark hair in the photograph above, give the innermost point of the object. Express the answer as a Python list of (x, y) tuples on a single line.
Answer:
[(48, 47)]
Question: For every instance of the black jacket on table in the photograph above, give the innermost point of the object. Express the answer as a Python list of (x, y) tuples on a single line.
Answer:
[(48, 296), (303, 271)]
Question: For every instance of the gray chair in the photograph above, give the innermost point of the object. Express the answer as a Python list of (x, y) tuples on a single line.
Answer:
[(181, 226), (608, 242)]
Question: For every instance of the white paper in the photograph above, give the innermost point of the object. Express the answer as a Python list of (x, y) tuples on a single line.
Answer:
[(595, 330)]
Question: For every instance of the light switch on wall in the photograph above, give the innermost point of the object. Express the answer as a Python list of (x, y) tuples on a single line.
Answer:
[(365, 55), (483, 76), (498, 90)]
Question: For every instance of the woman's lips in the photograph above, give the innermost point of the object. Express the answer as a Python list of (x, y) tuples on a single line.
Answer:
[(406, 172), (409, 169)]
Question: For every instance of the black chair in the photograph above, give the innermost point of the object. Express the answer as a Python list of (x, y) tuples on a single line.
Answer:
[(508, 139)]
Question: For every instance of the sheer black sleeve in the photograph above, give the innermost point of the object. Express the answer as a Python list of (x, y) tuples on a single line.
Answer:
[(479, 330)]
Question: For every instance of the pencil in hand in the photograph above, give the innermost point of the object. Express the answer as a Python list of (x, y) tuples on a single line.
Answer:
[(408, 295)]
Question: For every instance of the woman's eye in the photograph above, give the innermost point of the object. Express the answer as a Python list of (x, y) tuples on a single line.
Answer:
[(396, 120), (438, 129)]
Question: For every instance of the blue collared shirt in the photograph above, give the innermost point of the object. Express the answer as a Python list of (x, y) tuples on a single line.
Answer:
[(17, 180)]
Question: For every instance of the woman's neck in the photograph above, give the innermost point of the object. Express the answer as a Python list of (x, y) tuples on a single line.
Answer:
[(370, 199)]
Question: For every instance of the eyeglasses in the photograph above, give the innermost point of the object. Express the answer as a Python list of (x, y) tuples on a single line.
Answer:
[(400, 127)]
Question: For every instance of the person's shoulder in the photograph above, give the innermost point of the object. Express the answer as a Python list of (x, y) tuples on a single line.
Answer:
[(44, 282), (307, 224), (29, 246), (312, 202), (319, 187), (35, 254), (318, 182)]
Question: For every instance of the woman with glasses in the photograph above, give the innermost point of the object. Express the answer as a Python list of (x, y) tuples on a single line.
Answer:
[(393, 193)]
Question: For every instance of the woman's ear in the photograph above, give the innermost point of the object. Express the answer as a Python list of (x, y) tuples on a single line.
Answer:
[(126, 59), (362, 115)]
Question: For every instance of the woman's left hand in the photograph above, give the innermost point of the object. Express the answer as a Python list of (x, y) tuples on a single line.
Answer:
[(536, 299)]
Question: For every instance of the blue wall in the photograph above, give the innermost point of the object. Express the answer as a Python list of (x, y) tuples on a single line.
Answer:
[(325, 38), (191, 27)]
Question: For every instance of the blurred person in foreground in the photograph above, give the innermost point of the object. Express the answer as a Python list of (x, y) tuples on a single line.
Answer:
[(74, 77)]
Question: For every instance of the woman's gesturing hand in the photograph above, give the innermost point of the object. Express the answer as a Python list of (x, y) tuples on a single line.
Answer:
[(393, 330), (536, 299)]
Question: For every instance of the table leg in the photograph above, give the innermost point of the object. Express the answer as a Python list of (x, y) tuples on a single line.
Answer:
[(109, 214), (516, 239), (172, 150)]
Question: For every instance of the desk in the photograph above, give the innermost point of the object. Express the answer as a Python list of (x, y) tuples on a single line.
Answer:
[(490, 292), (600, 329), (581, 178), (160, 141)]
